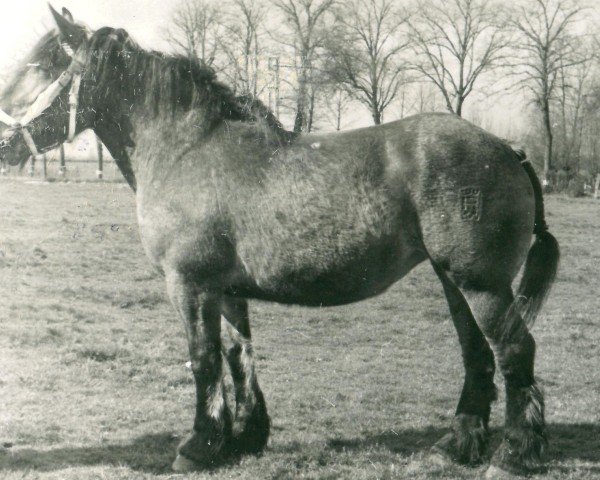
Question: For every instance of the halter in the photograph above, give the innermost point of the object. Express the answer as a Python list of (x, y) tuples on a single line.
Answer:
[(43, 101)]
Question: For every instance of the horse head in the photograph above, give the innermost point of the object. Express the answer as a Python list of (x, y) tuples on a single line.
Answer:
[(43, 67)]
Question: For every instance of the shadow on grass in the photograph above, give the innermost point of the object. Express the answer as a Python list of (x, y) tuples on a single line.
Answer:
[(578, 441), (154, 453), (405, 442), (574, 441), (149, 453)]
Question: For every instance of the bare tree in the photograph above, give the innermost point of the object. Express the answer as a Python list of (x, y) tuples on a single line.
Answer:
[(426, 100), (193, 29), (364, 52), (305, 20), (573, 89), (455, 42), (243, 26), (337, 101), (588, 146), (546, 45)]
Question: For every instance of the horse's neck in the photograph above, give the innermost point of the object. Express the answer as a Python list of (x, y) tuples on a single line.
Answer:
[(160, 142), (118, 144)]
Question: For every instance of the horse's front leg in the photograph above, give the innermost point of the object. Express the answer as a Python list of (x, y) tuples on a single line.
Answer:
[(201, 314)]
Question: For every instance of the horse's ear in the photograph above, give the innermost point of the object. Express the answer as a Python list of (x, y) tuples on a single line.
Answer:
[(67, 14), (70, 32)]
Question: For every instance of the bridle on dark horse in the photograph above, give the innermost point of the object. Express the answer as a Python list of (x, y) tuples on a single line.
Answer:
[(72, 76)]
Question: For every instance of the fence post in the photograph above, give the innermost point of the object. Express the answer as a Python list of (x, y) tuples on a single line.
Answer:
[(3, 169), (62, 169), (597, 187), (32, 166), (45, 166), (99, 172)]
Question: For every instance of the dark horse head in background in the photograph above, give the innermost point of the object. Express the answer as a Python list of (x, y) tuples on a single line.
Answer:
[(47, 60), (232, 207)]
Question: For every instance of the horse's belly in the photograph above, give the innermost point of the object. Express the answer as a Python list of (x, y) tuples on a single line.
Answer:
[(312, 280)]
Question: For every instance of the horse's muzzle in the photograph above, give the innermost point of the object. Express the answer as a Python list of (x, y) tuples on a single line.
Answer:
[(13, 148)]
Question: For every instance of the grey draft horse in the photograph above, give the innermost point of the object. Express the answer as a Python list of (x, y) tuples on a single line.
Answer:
[(231, 207)]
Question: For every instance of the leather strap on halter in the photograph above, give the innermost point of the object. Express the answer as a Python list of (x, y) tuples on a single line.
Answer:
[(73, 103), (43, 101)]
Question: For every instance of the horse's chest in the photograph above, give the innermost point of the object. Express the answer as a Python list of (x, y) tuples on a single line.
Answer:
[(176, 236)]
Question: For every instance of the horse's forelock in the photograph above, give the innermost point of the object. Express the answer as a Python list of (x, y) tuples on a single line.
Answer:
[(108, 39)]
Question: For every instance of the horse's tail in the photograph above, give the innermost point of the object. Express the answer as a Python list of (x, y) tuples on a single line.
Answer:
[(542, 260)]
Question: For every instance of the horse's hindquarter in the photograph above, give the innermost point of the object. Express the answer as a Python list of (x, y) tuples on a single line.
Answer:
[(474, 200)]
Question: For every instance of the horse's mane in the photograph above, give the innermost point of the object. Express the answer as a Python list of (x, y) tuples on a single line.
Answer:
[(171, 83)]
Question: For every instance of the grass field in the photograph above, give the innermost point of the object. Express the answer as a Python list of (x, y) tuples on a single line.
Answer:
[(93, 383)]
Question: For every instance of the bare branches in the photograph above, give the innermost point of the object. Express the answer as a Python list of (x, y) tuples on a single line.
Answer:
[(455, 43), (193, 29), (545, 45), (305, 20), (545, 49), (364, 53), (243, 23), (337, 102)]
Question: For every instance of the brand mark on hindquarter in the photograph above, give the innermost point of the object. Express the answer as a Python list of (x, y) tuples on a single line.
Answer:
[(470, 203)]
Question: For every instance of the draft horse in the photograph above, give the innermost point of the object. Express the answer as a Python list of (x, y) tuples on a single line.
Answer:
[(232, 207)]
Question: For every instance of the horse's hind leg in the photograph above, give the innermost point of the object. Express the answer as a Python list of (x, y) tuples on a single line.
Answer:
[(467, 441), (524, 434), (251, 425), (201, 314)]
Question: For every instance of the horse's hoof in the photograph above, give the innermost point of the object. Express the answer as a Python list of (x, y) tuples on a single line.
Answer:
[(183, 465), (497, 473)]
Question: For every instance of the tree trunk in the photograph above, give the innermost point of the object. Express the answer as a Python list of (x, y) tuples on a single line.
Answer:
[(459, 105), (311, 111), (376, 113), (300, 120), (549, 139), (256, 67)]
